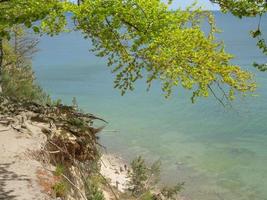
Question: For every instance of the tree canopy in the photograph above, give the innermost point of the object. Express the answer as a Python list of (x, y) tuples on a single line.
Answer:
[(141, 39), (28, 12), (243, 8), (249, 8)]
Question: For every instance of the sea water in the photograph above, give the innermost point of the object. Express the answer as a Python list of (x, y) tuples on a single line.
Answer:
[(220, 153)]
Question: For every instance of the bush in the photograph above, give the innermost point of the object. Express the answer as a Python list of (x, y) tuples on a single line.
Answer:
[(60, 189), (18, 80), (172, 192), (93, 191), (20, 83), (142, 177), (59, 169), (143, 180)]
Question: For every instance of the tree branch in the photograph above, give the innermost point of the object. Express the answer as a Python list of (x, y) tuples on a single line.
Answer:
[(216, 97)]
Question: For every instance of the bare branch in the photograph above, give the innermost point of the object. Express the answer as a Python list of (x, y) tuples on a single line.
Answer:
[(216, 97)]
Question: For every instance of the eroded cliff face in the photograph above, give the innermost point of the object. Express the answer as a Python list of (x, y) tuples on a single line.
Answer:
[(47, 152)]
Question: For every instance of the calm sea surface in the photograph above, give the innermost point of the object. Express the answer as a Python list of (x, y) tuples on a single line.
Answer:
[(219, 153)]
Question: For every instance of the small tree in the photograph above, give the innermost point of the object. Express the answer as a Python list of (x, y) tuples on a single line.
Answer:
[(144, 179), (138, 176), (18, 80)]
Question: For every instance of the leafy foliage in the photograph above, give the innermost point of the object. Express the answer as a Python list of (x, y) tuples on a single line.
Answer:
[(243, 8), (144, 178), (27, 12), (262, 46), (20, 83), (172, 192), (138, 176), (141, 39), (93, 181), (18, 80), (60, 188), (146, 38), (60, 168), (249, 8), (93, 191), (147, 196)]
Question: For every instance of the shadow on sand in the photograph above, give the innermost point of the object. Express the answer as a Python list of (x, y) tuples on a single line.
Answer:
[(5, 177)]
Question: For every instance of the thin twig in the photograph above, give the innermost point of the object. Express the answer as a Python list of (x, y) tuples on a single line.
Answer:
[(216, 97), (74, 186), (110, 187), (224, 94)]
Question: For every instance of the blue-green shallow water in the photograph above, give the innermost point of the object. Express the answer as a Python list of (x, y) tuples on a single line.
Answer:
[(220, 153)]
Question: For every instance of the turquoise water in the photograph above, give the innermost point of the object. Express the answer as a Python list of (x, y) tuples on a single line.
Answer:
[(220, 153)]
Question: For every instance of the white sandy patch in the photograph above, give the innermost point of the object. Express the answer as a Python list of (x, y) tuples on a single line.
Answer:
[(115, 169), (18, 179)]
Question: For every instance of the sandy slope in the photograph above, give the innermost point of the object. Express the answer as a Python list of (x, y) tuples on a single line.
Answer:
[(18, 170)]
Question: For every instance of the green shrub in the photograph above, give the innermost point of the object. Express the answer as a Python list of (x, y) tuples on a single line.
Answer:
[(77, 122), (172, 192), (93, 191), (59, 170), (142, 177), (20, 83), (60, 189), (17, 78), (147, 196)]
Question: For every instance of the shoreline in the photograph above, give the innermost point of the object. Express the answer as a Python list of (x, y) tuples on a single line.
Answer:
[(115, 170)]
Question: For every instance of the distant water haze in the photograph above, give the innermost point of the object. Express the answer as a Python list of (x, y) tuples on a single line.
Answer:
[(219, 153)]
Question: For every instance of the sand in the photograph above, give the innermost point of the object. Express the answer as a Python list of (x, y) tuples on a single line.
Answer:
[(115, 169), (18, 170)]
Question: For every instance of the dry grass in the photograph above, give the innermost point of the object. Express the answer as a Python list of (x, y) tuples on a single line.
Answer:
[(46, 180)]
